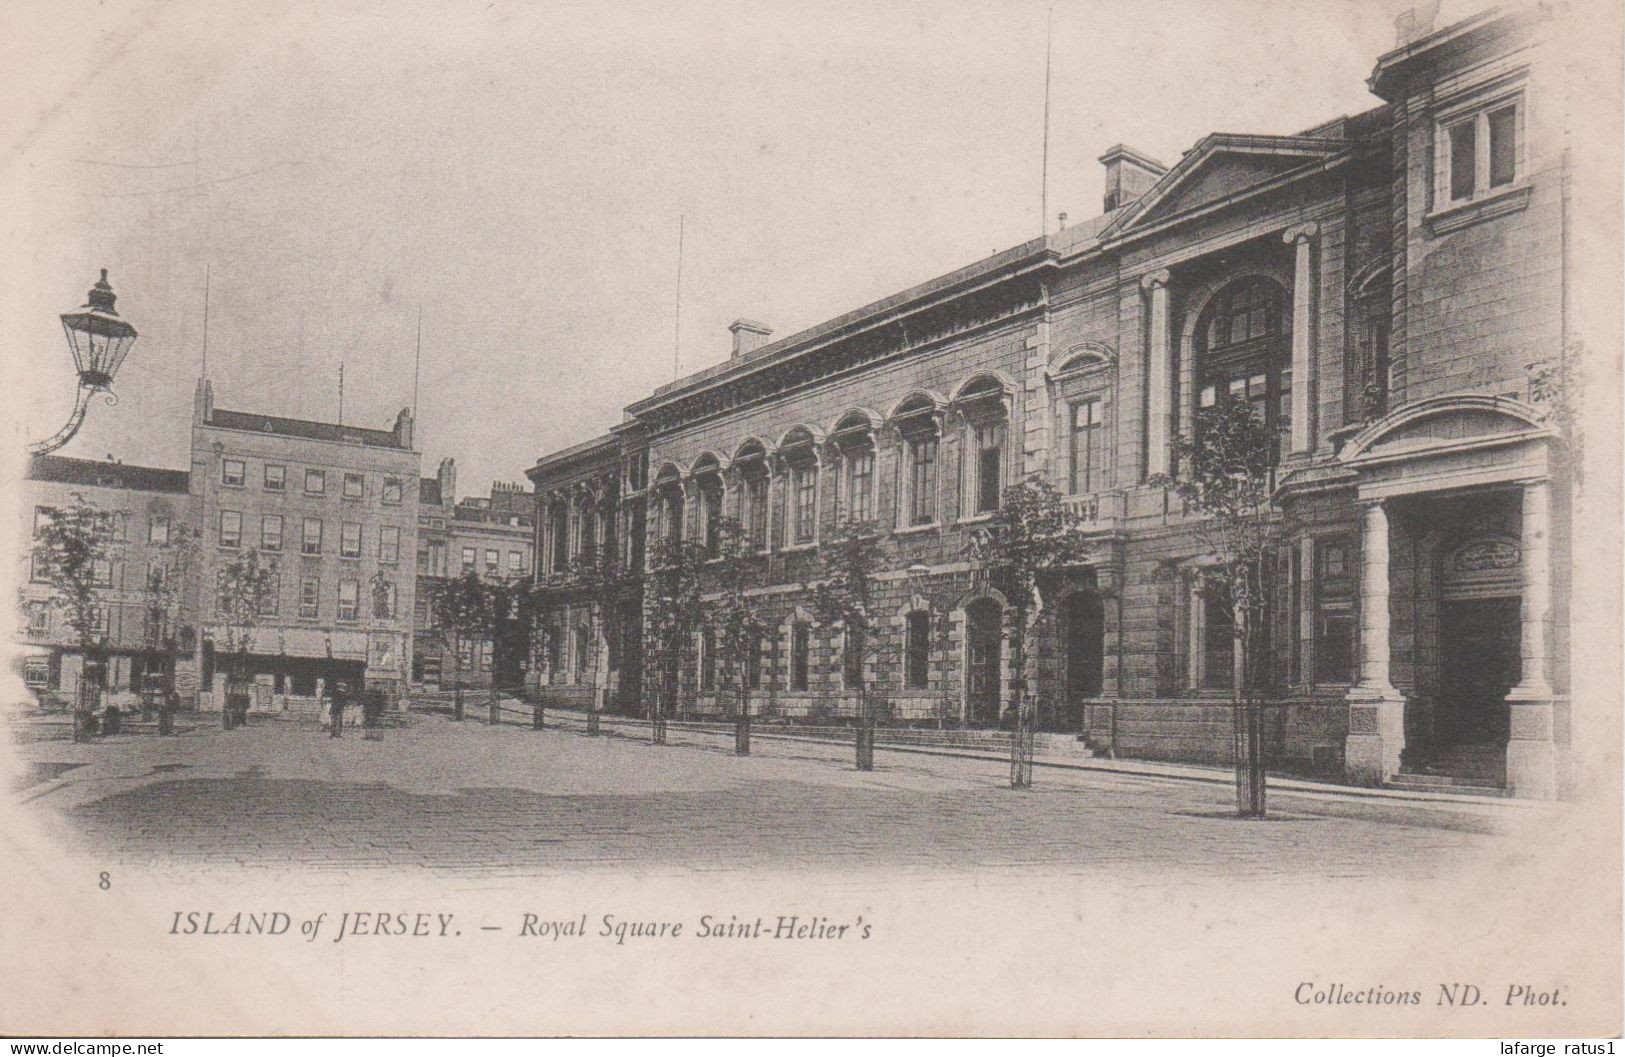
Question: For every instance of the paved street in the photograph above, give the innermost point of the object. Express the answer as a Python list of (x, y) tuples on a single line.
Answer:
[(466, 797)]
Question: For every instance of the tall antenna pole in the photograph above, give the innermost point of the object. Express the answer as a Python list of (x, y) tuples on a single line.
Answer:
[(417, 363), (1043, 194), (341, 394), (205, 321), (677, 327)]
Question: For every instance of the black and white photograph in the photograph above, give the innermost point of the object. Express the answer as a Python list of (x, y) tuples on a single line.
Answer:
[(1090, 519)]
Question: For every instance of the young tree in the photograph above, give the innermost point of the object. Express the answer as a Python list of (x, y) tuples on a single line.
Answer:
[(1228, 478), (72, 556), (849, 558), (462, 611), (1033, 533), (245, 590), (675, 611), (169, 574), (733, 617)]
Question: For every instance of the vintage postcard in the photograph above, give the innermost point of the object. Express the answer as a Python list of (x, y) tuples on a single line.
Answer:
[(990, 519)]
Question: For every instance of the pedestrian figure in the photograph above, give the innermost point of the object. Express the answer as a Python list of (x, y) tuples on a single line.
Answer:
[(168, 705), (341, 691), (372, 712)]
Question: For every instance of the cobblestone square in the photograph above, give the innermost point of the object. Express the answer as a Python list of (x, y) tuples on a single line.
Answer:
[(441, 795)]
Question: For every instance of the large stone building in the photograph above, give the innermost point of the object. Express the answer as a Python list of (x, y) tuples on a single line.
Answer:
[(335, 507), (1387, 288), (145, 606)]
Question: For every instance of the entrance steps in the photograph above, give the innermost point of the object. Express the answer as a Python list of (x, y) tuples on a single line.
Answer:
[(1473, 769)]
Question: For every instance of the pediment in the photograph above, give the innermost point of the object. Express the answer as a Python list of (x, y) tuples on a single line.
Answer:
[(1444, 424), (1222, 166)]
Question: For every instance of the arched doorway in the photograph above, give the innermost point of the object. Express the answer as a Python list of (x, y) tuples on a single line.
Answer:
[(984, 650), (1083, 636)]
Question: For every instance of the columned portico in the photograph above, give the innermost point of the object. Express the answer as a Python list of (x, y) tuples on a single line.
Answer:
[(1158, 375), (1531, 754), (1376, 709)]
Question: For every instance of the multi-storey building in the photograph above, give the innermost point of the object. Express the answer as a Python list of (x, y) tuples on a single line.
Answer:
[(1386, 288), (145, 607), (491, 536), (335, 507)]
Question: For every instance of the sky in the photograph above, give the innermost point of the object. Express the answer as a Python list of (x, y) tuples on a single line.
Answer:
[(515, 173)]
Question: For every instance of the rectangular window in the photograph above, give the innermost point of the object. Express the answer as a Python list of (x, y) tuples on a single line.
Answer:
[(312, 540), (158, 531), (39, 618), (43, 516), (805, 479), (349, 540), (315, 482), (37, 673), (355, 486), (231, 528), (923, 481), (39, 567), (1478, 153), (383, 601), (492, 562), (310, 594), (1336, 626), (1463, 159), (232, 472), (756, 520), (392, 490), (101, 571), (1218, 637), (1503, 145), (156, 574), (1086, 453), (470, 558), (349, 599), (989, 466), (121, 527), (271, 532), (389, 544), (485, 656), (269, 603), (800, 650), (917, 651), (516, 563), (276, 477)]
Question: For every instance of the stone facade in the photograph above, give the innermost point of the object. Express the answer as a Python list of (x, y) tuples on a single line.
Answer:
[(1386, 289), (336, 507), (145, 631)]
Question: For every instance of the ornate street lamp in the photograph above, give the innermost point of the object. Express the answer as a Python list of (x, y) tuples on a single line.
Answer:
[(99, 340)]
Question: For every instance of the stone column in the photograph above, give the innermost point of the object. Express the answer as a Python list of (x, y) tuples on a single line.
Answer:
[(1531, 754), (1158, 382), (1376, 737), (1301, 238)]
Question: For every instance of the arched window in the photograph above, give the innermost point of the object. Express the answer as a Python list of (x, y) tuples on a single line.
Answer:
[(750, 469), (708, 489), (800, 455), (982, 402), (669, 505), (1244, 350), (919, 424), (854, 439)]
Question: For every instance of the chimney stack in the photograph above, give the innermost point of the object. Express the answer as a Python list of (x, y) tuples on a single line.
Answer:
[(447, 476), (1129, 174), (749, 335)]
